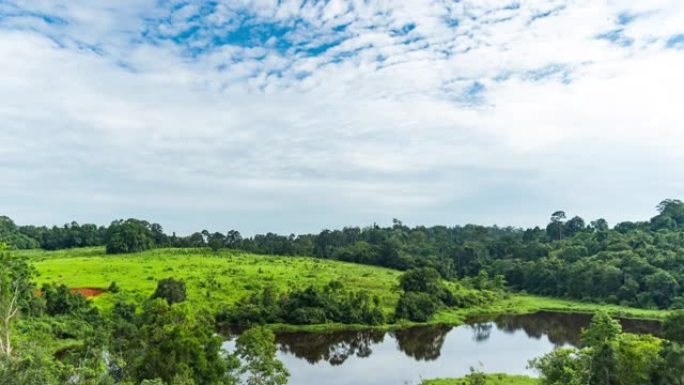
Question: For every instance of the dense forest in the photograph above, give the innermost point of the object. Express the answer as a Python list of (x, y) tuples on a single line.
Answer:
[(51, 335), (633, 263)]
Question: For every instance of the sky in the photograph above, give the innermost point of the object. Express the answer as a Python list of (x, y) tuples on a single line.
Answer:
[(294, 116)]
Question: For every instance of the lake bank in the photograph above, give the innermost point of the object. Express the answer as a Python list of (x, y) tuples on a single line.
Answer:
[(410, 355), (515, 304)]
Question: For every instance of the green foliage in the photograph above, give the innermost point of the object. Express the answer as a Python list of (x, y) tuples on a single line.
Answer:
[(608, 357), (10, 235), (673, 327), (424, 293), (424, 280), (59, 300), (113, 288), (476, 377), (257, 350), (672, 355), (171, 343), (638, 359), (632, 264), (672, 368), (172, 290), (35, 367), (490, 379), (562, 367), (416, 306), (16, 295), (309, 306), (133, 235), (603, 330)]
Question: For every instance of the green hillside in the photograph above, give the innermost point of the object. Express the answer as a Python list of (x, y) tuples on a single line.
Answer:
[(211, 278)]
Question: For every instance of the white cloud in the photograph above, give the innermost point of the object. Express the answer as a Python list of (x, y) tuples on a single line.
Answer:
[(101, 118)]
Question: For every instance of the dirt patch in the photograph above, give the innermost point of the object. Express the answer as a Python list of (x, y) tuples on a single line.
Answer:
[(87, 291), (84, 291)]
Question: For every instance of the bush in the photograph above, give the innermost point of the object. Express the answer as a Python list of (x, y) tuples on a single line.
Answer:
[(172, 290), (113, 288), (418, 307), (308, 306)]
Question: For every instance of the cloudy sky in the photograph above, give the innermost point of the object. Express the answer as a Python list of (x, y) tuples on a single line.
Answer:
[(292, 116)]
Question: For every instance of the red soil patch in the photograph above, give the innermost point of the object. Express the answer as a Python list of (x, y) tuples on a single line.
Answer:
[(87, 291), (84, 291)]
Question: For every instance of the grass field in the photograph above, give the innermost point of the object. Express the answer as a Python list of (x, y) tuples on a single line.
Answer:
[(211, 278), (220, 278), (492, 379), (525, 304)]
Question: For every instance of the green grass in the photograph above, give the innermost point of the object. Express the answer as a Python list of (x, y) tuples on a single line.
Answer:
[(211, 278), (492, 379), (525, 304), (220, 278)]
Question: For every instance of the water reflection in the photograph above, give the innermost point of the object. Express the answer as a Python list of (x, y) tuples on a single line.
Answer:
[(481, 331), (425, 343), (504, 344), (333, 347), (422, 343), (564, 329)]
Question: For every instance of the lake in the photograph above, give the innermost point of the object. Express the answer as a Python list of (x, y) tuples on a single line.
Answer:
[(502, 345)]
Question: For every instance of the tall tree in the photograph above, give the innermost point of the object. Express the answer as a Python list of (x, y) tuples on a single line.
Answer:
[(600, 338), (16, 292), (256, 348), (555, 228)]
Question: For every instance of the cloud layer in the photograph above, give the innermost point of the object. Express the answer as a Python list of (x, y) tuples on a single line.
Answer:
[(292, 116)]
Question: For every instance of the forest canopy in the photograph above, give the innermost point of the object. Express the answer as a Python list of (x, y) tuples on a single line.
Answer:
[(633, 263)]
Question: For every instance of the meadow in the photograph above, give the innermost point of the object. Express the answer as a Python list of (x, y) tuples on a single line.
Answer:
[(218, 278), (212, 278)]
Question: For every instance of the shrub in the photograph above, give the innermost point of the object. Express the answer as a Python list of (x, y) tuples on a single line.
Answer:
[(418, 307), (113, 288), (172, 290)]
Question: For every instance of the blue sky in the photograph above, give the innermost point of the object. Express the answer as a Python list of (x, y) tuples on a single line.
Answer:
[(293, 116)]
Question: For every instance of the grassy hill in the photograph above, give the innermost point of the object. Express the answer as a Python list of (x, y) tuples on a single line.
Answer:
[(211, 278)]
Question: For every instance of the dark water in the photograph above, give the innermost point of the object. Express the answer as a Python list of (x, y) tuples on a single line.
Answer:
[(504, 345)]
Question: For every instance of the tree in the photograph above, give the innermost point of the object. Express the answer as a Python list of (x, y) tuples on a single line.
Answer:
[(638, 358), (662, 287), (555, 228), (561, 367), (172, 290), (130, 236), (673, 327), (216, 241), (600, 338), (574, 226), (416, 306), (16, 293), (600, 225), (673, 208), (257, 350), (233, 239), (175, 344), (671, 371), (425, 280)]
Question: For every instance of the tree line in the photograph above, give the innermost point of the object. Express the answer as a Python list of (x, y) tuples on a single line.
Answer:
[(633, 263)]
